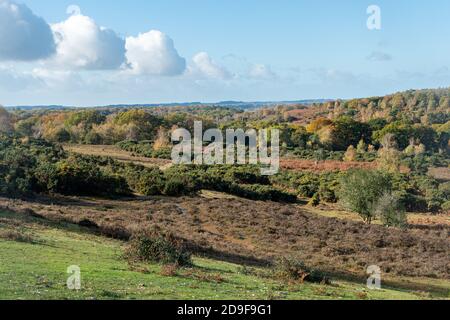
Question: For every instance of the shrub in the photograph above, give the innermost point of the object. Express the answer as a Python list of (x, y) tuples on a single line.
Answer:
[(315, 200), (290, 269), (145, 181), (261, 192), (445, 189), (179, 184), (388, 209), (446, 206), (79, 176), (151, 182), (159, 247)]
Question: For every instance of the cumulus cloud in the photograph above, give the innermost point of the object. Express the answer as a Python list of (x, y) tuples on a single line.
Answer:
[(261, 71), (13, 80), (23, 35), (208, 67), (153, 53), (379, 56), (82, 44)]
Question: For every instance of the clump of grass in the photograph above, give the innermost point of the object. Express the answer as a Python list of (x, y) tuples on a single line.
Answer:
[(17, 236), (292, 270), (204, 276), (159, 247), (362, 295), (169, 270)]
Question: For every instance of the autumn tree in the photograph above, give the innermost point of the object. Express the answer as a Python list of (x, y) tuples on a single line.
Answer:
[(6, 121)]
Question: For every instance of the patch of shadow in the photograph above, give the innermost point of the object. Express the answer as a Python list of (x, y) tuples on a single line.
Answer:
[(212, 253)]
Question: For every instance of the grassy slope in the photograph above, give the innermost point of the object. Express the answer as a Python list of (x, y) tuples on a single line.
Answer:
[(38, 271)]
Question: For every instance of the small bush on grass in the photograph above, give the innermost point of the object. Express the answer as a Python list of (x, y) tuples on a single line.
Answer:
[(159, 247), (290, 269)]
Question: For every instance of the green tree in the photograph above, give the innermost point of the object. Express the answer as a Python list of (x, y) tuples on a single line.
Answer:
[(347, 132), (360, 191)]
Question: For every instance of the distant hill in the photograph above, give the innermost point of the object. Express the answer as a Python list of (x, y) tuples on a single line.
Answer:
[(427, 106), (227, 104)]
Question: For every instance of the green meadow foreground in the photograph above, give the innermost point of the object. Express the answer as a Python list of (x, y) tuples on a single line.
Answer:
[(36, 253)]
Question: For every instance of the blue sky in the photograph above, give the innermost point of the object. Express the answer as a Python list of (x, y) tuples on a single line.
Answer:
[(212, 50)]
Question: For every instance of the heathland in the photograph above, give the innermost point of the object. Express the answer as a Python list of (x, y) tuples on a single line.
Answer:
[(362, 182)]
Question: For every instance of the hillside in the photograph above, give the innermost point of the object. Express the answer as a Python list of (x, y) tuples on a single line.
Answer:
[(36, 253), (431, 106)]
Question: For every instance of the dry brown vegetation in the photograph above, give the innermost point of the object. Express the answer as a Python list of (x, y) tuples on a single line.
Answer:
[(442, 174), (327, 165), (117, 154), (247, 231), (285, 163)]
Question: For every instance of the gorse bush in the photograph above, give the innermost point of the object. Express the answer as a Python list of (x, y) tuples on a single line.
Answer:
[(18, 161), (179, 184), (142, 180), (157, 246), (261, 192), (145, 149), (79, 176), (242, 181)]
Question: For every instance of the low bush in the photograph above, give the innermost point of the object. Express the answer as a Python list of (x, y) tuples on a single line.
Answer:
[(290, 269), (145, 149), (261, 192), (142, 180), (179, 184), (446, 207), (159, 247), (79, 176)]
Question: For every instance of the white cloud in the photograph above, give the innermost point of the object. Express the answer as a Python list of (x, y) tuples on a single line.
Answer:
[(261, 71), (23, 35), (82, 44), (57, 78), (13, 80), (153, 53), (209, 68), (379, 56)]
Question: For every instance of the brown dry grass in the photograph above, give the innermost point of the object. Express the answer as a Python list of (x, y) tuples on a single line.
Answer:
[(247, 231), (327, 165), (442, 173), (117, 154), (286, 163)]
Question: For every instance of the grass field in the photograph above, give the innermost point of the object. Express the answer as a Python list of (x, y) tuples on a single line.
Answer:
[(35, 255)]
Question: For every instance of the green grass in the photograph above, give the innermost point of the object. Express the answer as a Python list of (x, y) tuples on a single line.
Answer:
[(36, 269)]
